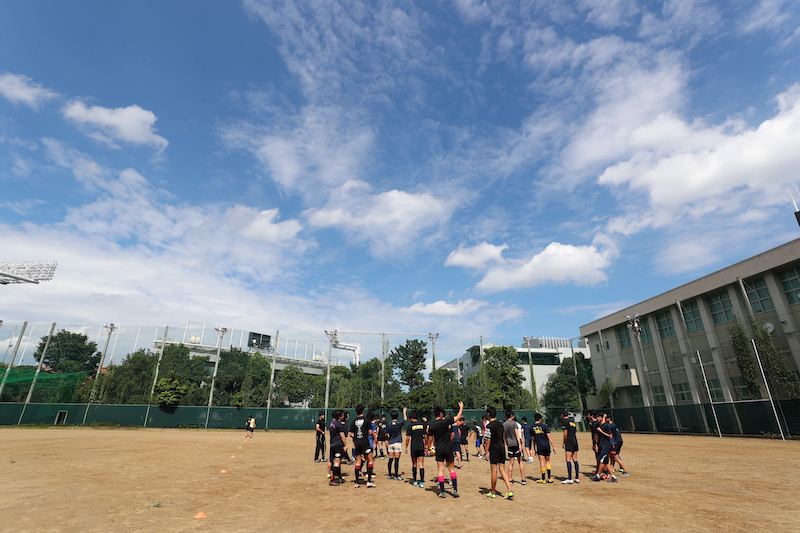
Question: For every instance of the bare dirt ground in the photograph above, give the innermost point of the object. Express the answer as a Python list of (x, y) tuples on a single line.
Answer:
[(126, 480)]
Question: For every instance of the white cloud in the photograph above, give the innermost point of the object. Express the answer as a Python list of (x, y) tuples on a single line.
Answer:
[(441, 308), (390, 221), (557, 263), (694, 169), (19, 89), (130, 124), (476, 256)]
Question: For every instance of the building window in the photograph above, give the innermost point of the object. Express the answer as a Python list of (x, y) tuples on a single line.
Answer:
[(691, 316), (758, 294), (721, 307), (740, 388), (636, 396), (645, 334), (682, 392), (659, 396), (666, 328), (624, 335), (715, 388), (790, 279)]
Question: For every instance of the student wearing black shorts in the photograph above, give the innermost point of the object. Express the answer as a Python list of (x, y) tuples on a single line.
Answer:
[(441, 431), (361, 432), (338, 433), (606, 450), (617, 442), (496, 446), (543, 447), (417, 437), (570, 445)]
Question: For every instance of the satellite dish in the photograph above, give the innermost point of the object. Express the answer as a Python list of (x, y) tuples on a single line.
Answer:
[(769, 326)]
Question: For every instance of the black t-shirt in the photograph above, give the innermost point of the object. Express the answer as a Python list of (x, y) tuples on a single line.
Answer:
[(441, 430), (417, 431), (359, 427), (593, 430), (539, 432), (337, 430), (321, 426), (568, 424), (494, 431)]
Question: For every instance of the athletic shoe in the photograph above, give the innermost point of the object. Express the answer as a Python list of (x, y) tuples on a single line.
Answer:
[(612, 480), (398, 478), (541, 481), (595, 478), (550, 480), (370, 484), (356, 485), (415, 482), (421, 485), (576, 480), (442, 495), (523, 482), (456, 494), (328, 475), (530, 460), (459, 467), (625, 474), (567, 482), (491, 495), (604, 476), (334, 483), (508, 496)]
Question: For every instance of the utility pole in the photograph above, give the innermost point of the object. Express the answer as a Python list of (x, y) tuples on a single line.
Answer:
[(528, 341), (433, 338)]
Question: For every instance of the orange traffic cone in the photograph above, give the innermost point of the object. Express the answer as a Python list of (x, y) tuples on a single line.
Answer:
[(201, 514)]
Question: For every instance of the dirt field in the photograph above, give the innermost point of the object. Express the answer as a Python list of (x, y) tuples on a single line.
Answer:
[(121, 480)]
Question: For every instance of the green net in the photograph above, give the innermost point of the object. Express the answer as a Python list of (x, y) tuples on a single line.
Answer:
[(45, 380)]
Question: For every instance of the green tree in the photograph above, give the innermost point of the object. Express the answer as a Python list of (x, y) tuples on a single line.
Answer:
[(744, 358), (194, 372), (69, 352), (775, 360), (255, 386), (170, 390), (292, 385), (409, 362), (504, 377), (130, 381), (447, 391), (231, 374), (561, 390)]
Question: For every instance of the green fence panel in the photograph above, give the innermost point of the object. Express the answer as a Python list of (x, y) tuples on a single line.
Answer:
[(9, 413), (726, 415), (757, 417), (123, 415), (632, 419), (183, 416), (665, 418), (790, 410), (46, 413)]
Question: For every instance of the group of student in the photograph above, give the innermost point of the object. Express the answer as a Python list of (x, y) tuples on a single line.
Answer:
[(505, 445)]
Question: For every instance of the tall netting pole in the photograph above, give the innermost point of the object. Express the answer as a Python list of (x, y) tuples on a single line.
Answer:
[(155, 377), (36, 375), (13, 356)]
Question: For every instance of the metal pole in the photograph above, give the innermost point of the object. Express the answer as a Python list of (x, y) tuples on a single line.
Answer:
[(383, 366), (575, 368), (13, 356), (220, 333), (272, 372), (155, 377), (111, 329), (36, 375), (708, 391), (528, 341), (332, 335), (433, 337), (769, 394)]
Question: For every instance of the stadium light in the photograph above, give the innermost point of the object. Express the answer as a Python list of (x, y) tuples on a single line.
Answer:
[(26, 271)]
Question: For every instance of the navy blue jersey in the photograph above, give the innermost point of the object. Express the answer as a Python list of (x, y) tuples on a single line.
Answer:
[(337, 430), (395, 431), (540, 432), (569, 425)]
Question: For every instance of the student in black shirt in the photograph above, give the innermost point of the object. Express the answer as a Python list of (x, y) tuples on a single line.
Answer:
[(570, 446), (441, 431), (417, 436), (319, 451), (338, 433), (361, 432), (496, 446)]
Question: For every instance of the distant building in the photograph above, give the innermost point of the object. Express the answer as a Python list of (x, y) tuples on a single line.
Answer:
[(689, 325), (546, 354)]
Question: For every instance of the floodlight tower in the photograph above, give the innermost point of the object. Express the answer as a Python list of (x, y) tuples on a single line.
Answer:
[(26, 271)]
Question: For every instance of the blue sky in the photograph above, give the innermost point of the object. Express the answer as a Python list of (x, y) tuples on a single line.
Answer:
[(468, 168)]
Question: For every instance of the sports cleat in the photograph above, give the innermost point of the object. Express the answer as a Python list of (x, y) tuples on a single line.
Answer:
[(576, 480), (625, 473), (334, 483), (550, 480), (328, 475), (612, 480), (456, 494), (491, 495), (370, 484), (421, 485), (567, 482), (356, 485), (595, 478), (415, 482), (442, 495), (523, 482), (508, 496), (541, 481), (398, 478)]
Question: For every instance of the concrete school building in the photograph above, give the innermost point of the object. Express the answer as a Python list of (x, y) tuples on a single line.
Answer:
[(538, 361), (680, 373)]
